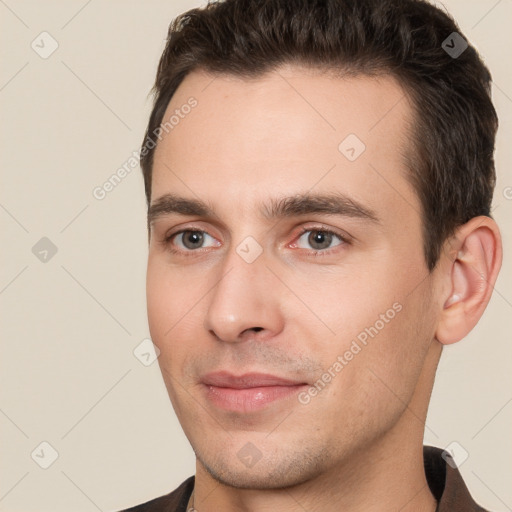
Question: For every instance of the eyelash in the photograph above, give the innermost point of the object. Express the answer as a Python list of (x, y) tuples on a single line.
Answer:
[(315, 253)]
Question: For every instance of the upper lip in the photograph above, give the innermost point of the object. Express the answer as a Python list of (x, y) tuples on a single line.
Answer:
[(225, 379)]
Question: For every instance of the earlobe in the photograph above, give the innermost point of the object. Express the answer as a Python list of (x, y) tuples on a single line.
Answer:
[(471, 277)]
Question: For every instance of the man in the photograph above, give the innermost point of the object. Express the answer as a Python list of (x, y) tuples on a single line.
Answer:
[(319, 178)]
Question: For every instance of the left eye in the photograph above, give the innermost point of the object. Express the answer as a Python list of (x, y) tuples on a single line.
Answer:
[(318, 239)]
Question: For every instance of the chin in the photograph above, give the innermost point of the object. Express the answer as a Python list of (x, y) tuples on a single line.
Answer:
[(277, 472)]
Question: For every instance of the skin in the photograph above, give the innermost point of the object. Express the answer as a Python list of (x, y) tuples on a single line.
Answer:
[(357, 444)]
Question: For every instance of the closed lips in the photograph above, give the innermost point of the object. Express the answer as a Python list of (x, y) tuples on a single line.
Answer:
[(248, 380)]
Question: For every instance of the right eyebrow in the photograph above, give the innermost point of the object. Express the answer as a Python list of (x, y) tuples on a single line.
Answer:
[(170, 203)]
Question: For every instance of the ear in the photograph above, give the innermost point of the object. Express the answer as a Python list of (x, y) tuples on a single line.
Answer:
[(473, 266)]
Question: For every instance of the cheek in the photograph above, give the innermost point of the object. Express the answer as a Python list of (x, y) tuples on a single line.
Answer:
[(177, 302), (169, 325), (377, 327), (158, 298), (376, 381), (348, 302), (390, 362), (170, 304)]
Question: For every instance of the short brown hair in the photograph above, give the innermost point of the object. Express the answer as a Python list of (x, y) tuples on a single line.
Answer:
[(452, 165)]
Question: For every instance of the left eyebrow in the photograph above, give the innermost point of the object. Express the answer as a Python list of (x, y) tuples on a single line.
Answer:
[(334, 203)]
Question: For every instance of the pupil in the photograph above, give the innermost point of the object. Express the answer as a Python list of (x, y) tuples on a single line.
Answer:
[(193, 239), (320, 238)]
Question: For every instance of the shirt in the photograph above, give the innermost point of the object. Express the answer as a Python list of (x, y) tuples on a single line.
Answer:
[(444, 480)]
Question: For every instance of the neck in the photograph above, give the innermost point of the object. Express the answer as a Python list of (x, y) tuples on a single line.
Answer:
[(387, 474)]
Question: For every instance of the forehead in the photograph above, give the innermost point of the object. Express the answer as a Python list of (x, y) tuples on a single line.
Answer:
[(293, 129)]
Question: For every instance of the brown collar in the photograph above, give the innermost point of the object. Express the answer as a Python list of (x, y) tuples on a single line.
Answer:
[(446, 483)]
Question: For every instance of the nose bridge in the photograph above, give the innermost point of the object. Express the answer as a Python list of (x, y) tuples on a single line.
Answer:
[(241, 300)]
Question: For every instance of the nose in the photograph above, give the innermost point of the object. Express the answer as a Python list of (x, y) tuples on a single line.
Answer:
[(245, 302)]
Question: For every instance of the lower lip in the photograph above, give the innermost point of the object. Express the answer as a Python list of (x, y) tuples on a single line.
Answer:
[(249, 399)]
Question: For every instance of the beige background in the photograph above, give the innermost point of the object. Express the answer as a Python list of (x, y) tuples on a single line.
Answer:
[(69, 326)]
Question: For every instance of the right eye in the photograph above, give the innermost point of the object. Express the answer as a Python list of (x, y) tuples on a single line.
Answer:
[(189, 240)]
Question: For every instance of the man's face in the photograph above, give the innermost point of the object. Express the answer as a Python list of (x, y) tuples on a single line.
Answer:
[(301, 293)]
